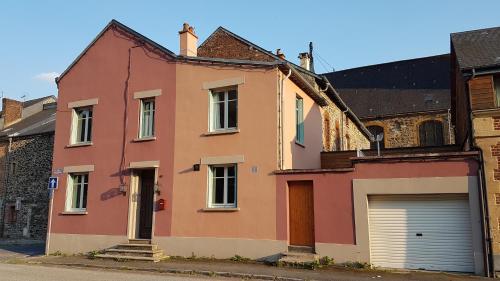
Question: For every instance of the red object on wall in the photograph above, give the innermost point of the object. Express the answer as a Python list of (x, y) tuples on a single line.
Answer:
[(161, 205)]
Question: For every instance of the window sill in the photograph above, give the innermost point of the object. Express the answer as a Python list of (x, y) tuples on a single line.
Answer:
[(144, 139), (300, 144), (79, 144), (74, 213), (222, 132), (220, 209)]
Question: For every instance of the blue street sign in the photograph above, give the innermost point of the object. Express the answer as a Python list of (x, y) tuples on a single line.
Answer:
[(53, 182)]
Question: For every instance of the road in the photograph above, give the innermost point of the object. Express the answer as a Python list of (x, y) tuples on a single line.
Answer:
[(17, 272)]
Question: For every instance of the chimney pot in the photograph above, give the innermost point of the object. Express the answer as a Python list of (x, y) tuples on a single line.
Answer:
[(280, 54), (188, 41), (305, 61)]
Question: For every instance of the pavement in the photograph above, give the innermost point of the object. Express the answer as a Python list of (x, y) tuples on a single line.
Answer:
[(11, 249), (244, 270), (16, 272)]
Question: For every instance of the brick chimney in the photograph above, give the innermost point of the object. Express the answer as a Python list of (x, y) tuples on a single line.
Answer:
[(280, 54), (305, 61), (188, 41), (12, 111)]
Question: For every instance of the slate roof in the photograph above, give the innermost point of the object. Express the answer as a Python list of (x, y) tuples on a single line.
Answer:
[(35, 101), (38, 123), (400, 87), (477, 48)]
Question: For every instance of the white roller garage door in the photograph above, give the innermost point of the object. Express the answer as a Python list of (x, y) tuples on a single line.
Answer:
[(421, 232)]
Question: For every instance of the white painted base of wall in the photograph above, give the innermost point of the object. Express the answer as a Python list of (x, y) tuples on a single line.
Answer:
[(82, 243)]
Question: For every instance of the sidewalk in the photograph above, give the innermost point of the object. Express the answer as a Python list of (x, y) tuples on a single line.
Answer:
[(245, 270)]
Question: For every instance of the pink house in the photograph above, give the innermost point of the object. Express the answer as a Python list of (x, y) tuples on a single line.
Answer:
[(218, 152)]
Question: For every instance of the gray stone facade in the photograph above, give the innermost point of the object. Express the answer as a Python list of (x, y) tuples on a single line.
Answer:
[(28, 165)]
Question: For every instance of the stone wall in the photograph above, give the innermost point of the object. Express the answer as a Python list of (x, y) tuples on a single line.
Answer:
[(402, 131), (29, 165), (4, 145)]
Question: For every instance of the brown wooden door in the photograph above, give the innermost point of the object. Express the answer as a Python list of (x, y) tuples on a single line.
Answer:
[(301, 205), (146, 205)]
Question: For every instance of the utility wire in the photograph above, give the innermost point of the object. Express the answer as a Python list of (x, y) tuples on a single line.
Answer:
[(323, 62)]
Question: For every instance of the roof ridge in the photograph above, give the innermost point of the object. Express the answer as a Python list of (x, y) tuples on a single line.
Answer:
[(386, 63), (474, 30)]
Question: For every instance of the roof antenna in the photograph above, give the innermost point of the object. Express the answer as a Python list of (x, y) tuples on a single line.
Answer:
[(311, 67)]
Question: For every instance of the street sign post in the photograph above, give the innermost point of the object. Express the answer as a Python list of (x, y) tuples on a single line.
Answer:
[(53, 182)]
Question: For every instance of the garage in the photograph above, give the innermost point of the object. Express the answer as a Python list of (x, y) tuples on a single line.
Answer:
[(431, 232)]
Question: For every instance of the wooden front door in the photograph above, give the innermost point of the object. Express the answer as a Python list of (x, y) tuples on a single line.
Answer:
[(301, 212), (146, 204)]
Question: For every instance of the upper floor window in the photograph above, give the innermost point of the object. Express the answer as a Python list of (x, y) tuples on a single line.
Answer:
[(82, 125), (223, 109), (431, 133), (222, 186), (76, 196), (299, 120), (147, 120), (376, 130)]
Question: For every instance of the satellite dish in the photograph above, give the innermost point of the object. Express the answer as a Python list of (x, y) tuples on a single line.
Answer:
[(379, 137)]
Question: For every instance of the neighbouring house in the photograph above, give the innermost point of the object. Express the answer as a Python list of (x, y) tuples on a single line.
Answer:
[(26, 142), (170, 149), (409, 101), (475, 57)]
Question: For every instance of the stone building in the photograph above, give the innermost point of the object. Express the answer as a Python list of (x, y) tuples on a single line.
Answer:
[(26, 142), (408, 101), (475, 58)]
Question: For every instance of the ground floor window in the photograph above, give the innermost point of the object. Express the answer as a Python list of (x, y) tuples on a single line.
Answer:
[(222, 186), (77, 192)]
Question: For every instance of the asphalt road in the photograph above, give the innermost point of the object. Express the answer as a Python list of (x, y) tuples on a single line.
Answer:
[(17, 272)]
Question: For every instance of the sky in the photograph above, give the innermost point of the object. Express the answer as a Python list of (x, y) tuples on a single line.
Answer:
[(39, 39)]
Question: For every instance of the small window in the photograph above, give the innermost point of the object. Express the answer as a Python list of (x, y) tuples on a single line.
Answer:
[(13, 168), (11, 214), (224, 109), (431, 133), (77, 192), (147, 122), (496, 81), (222, 186), (299, 120), (82, 125)]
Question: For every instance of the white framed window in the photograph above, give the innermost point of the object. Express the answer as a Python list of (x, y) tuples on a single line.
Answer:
[(299, 120), (223, 109), (82, 125), (76, 193), (147, 119), (222, 186)]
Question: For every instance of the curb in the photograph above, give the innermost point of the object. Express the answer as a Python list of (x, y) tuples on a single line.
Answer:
[(182, 271)]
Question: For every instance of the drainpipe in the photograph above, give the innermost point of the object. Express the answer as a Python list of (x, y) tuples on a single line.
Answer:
[(449, 126), (489, 262), (280, 118), (342, 128), (5, 182)]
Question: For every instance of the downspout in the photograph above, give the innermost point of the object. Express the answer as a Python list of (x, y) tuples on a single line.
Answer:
[(5, 182), (483, 200), (280, 118), (449, 126), (342, 128)]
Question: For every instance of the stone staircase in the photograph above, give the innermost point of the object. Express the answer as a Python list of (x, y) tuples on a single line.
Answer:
[(299, 257), (136, 249)]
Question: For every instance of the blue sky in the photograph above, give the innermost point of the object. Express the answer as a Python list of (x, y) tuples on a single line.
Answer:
[(39, 39)]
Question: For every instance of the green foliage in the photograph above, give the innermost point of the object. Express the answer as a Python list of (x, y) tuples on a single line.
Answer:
[(357, 265), (326, 261), (238, 258)]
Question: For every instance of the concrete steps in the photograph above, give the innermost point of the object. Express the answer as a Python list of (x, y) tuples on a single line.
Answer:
[(299, 259), (136, 249)]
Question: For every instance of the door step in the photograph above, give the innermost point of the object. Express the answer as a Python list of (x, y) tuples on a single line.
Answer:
[(136, 249), (300, 249), (298, 260)]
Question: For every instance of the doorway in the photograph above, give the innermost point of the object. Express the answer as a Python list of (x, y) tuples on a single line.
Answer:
[(301, 213), (146, 203)]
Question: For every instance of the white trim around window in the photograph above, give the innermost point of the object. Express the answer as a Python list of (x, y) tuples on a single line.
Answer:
[(222, 186), (223, 109), (77, 192), (147, 118)]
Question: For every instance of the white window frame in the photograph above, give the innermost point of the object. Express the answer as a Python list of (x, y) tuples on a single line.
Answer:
[(212, 126), (299, 120), (151, 125), (210, 198), (75, 127), (69, 193)]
